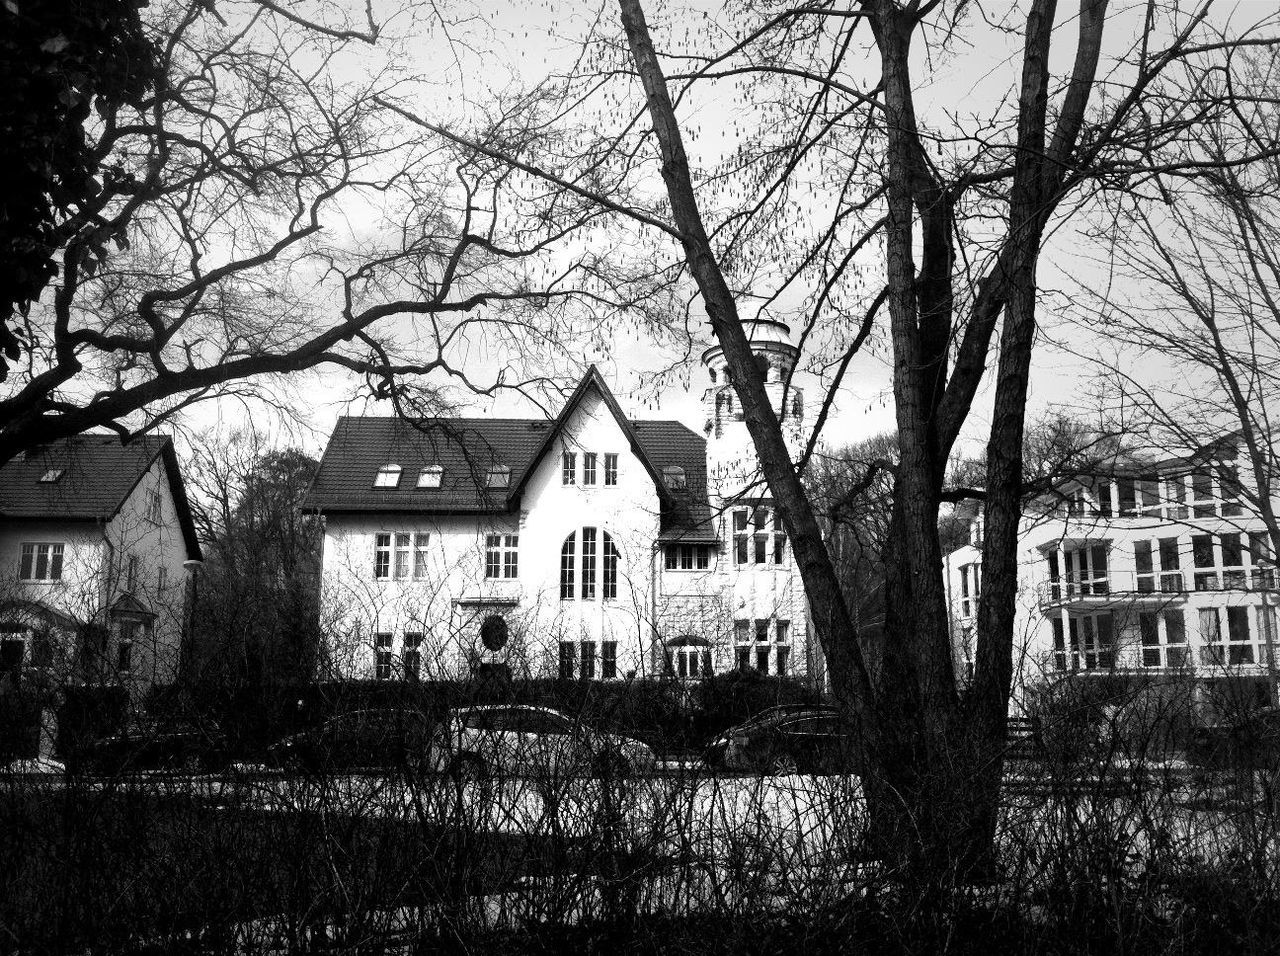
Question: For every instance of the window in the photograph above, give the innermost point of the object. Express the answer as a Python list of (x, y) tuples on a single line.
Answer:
[(41, 562), (1145, 566), (420, 556), (568, 653), (687, 557), (1264, 575), (1233, 573), (1149, 492), (430, 476), (1202, 557), (1086, 571), (13, 648), (1239, 639), (567, 551), (412, 656), (589, 468), (588, 668), (1104, 499), (494, 632), (501, 556), (124, 655), (569, 468), (1128, 496), (404, 550), (162, 578), (1175, 493), (764, 542), (610, 568), (131, 574), (499, 477), (610, 468), (1175, 639), (609, 660), (674, 478), (1170, 564), (756, 649), (588, 563), (52, 475), (1202, 495), (382, 556), (1211, 649), (689, 658), (1084, 644), (153, 505), (382, 656), (1229, 490), (970, 589), (388, 476)]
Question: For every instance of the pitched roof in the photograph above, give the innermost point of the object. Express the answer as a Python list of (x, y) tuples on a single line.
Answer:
[(94, 475), (467, 447)]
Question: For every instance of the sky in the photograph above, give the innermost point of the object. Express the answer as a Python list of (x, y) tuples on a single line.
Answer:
[(523, 41)]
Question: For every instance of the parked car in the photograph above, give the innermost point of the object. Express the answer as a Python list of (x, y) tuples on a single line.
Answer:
[(522, 740), (1253, 742), (788, 740), (360, 740), (184, 746)]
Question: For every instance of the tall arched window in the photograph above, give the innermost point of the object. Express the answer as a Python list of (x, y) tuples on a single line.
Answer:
[(566, 566), (610, 568), (598, 551)]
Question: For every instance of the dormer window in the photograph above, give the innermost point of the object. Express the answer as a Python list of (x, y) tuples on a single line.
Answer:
[(388, 477), (673, 477), (430, 476), (499, 477), (52, 475)]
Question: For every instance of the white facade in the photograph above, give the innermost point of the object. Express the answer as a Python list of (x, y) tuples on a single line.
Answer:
[(98, 600), (590, 569), (1161, 572)]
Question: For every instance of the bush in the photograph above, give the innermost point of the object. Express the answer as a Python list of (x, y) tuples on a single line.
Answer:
[(89, 712)]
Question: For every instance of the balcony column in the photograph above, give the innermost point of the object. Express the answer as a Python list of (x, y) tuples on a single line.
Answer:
[(1073, 659)]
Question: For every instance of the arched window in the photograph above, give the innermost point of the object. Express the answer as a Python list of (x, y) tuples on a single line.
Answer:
[(567, 565), (762, 365), (689, 658), (797, 405), (596, 545), (610, 568)]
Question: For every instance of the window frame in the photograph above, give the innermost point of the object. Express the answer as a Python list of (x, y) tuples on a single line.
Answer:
[(430, 477), (383, 477), (588, 468), (610, 469), (31, 554), (568, 468)]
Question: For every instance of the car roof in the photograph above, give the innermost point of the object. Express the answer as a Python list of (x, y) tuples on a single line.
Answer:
[(482, 708)]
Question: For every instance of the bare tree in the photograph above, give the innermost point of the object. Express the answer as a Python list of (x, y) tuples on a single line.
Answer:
[(961, 208), (267, 218)]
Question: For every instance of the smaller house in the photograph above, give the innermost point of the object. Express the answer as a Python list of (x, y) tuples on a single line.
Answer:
[(97, 549)]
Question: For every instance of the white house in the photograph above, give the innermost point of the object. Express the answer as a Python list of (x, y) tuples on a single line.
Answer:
[(1158, 568), (96, 545), (592, 545)]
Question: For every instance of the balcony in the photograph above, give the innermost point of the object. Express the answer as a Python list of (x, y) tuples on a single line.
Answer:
[(1156, 586)]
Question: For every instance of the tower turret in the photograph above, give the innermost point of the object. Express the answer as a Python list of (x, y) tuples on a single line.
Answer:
[(731, 458)]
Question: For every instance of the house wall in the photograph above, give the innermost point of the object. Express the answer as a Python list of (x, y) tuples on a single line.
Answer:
[(449, 605), (94, 575), (1040, 601), (147, 528)]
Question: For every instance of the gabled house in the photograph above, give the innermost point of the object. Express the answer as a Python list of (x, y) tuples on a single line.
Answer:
[(96, 548), (591, 545), (1157, 569)]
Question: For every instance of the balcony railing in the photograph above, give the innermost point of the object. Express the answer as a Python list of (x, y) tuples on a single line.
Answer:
[(1153, 585)]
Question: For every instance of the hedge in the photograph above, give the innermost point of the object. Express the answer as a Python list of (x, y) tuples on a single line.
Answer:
[(667, 714)]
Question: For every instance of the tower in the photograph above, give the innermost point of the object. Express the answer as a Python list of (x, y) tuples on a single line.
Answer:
[(732, 465)]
